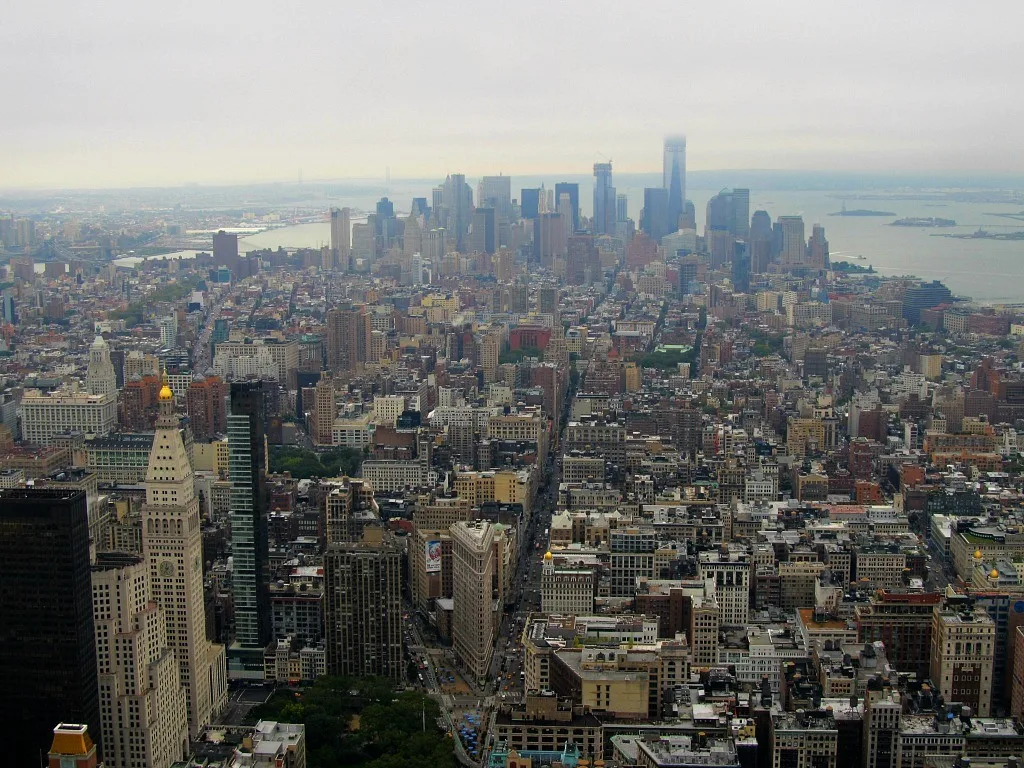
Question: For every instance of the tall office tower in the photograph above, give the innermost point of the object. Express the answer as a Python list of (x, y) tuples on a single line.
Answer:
[(172, 544), (656, 223), (573, 191), (790, 242), (729, 573), (457, 198), (363, 611), (168, 332), (483, 238), (817, 248), (385, 226), (490, 351), (604, 200), (419, 207), (564, 208), (547, 301), (520, 298), (145, 718), (673, 178), (622, 208), (341, 237), (760, 226), (529, 203), (473, 567), (435, 246), (205, 402), (882, 710), (741, 267), (346, 505), (247, 472), (740, 224), (363, 245), (903, 621), (496, 192), (48, 661), (924, 296), (504, 266), (761, 241), (412, 236), (549, 238), (729, 211), (580, 260), (225, 250), (100, 377), (347, 338), (963, 648), (324, 411)]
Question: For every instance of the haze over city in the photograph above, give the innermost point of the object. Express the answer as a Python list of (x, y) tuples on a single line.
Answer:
[(121, 94), (568, 385)]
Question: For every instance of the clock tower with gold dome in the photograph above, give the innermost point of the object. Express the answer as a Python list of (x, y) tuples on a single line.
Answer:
[(173, 547)]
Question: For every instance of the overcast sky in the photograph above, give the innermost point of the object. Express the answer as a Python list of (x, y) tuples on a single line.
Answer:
[(211, 91)]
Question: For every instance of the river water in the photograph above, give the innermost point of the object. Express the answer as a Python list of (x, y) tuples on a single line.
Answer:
[(989, 271)]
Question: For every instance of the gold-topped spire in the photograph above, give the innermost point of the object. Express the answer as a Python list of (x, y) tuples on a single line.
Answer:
[(165, 390)]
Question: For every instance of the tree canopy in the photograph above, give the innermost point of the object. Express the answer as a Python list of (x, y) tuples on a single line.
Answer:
[(363, 723), (304, 464)]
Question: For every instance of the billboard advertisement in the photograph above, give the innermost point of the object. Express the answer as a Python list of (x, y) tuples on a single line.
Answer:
[(433, 555)]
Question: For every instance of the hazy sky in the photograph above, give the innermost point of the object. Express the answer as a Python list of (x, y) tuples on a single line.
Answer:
[(125, 93)]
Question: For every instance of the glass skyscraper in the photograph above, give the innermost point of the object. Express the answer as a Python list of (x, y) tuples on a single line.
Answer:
[(674, 178), (248, 515)]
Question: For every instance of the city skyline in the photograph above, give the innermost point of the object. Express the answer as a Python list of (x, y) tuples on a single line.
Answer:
[(180, 102)]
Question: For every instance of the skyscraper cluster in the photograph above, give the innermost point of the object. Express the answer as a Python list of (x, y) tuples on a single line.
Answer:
[(636, 493)]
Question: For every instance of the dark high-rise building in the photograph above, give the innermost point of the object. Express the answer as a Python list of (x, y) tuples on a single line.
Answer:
[(761, 242), (760, 226), (547, 301), (741, 267), (604, 200), (688, 267), (347, 338), (740, 224), (207, 411), (420, 208), (573, 191), (656, 222), (729, 211), (924, 296), (582, 261), (246, 470), (386, 224), (485, 230), (817, 248), (529, 203), (457, 201), (363, 609), (48, 642), (225, 250), (496, 192)]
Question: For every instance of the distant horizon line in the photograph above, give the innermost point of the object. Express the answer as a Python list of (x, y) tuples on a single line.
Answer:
[(905, 175)]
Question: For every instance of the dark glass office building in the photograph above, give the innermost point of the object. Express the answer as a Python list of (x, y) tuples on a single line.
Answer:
[(47, 640), (246, 462)]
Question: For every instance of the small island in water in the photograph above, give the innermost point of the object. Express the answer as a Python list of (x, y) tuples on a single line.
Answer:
[(924, 221)]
